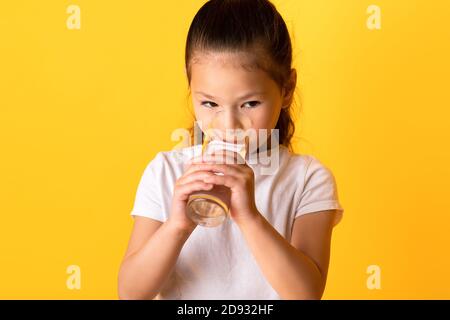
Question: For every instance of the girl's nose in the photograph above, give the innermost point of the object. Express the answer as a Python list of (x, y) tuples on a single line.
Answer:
[(231, 119), (231, 124)]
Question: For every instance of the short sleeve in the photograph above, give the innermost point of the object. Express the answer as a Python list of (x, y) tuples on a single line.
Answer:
[(319, 191), (148, 199)]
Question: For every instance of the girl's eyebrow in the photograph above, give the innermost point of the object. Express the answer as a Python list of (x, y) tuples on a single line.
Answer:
[(251, 94), (205, 95)]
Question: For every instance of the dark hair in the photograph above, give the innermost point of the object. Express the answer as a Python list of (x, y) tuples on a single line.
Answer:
[(246, 26)]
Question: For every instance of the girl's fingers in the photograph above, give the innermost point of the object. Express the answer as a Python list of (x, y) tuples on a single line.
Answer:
[(228, 181), (220, 168), (184, 190), (197, 175)]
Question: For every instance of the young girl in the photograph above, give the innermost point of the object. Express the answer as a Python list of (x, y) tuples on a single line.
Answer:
[(276, 243)]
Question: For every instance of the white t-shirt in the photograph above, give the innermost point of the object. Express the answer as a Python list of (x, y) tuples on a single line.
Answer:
[(216, 263)]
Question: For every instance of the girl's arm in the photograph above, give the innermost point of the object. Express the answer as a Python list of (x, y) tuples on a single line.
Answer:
[(152, 252), (154, 247), (296, 270)]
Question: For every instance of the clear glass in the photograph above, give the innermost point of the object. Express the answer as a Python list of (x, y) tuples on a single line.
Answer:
[(210, 208)]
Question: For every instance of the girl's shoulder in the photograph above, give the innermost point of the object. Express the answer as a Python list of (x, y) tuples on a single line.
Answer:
[(303, 160), (178, 155), (174, 158), (309, 165)]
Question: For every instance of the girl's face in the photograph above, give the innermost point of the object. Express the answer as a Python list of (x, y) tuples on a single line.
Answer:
[(229, 96)]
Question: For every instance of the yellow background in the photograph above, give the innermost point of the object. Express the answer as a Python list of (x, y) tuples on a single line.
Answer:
[(82, 112)]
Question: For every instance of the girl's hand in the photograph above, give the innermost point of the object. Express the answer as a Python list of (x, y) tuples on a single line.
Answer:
[(236, 176), (192, 180)]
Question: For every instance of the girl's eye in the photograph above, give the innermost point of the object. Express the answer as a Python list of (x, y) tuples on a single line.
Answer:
[(252, 104), (209, 104)]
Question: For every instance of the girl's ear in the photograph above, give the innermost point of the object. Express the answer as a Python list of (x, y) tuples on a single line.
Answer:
[(288, 90)]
